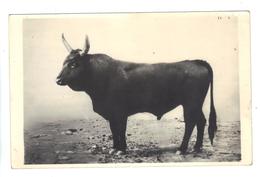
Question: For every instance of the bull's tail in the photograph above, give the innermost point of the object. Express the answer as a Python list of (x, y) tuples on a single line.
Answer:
[(212, 115)]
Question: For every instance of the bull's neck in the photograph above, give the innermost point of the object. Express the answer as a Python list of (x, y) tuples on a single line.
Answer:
[(97, 84), (97, 88)]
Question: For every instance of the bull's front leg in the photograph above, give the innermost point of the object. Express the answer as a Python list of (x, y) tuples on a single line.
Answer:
[(118, 129)]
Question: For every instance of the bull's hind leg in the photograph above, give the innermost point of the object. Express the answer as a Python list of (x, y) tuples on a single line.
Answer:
[(114, 135), (200, 132), (189, 126)]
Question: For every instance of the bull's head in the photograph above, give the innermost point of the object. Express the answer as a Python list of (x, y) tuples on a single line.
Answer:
[(73, 69)]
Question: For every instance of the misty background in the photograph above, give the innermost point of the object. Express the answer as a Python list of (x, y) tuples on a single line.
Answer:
[(150, 38)]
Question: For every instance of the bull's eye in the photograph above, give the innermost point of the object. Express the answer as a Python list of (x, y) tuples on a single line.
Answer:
[(73, 65)]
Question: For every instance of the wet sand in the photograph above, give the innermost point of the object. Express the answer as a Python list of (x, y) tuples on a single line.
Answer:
[(149, 140)]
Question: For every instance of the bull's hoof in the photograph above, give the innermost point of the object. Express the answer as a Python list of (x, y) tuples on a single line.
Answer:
[(112, 151), (197, 149), (118, 153), (178, 152)]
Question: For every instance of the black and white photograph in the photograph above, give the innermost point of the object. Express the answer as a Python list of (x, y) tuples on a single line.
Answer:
[(130, 89)]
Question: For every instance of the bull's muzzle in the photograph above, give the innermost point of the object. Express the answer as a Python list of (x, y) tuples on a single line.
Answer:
[(59, 81)]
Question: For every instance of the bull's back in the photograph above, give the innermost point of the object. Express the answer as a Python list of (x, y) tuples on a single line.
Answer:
[(166, 76)]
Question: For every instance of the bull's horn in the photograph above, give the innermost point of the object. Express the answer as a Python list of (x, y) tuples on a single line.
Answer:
[(68, 47), (87, 46)]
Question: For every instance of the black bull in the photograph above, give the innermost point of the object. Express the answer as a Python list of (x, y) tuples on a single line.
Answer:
[(119, 89)]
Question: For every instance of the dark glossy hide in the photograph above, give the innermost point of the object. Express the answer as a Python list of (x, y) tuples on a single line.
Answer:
[(119, 89)]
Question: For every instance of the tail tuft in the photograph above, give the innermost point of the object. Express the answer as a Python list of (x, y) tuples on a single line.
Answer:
[(212, 125)]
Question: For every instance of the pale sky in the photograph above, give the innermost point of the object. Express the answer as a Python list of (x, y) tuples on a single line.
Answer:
[(149, 38)]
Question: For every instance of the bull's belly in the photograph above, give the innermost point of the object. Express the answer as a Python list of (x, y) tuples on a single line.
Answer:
[(128, 108)]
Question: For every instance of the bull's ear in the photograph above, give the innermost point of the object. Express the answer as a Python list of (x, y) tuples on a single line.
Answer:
[(87, 46)]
